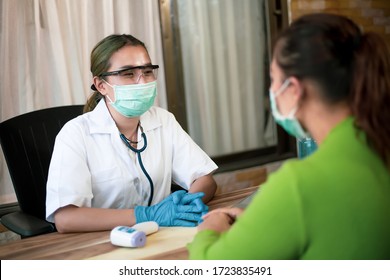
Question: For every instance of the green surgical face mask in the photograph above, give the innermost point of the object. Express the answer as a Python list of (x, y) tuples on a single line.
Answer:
[(289, 123), (133, 100)]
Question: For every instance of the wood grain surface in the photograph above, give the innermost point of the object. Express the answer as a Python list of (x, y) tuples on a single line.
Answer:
[(168, 243)]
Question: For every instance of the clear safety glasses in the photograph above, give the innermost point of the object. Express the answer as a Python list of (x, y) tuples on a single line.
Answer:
[(132, 75)]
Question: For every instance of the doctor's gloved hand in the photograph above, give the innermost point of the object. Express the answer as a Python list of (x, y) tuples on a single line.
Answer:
[(194, 199), (171, 211)]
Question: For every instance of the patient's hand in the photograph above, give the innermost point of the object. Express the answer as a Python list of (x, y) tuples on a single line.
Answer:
[(220, 220), (232, 212)]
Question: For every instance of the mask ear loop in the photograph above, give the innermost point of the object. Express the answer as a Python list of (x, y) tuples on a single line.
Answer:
[(285, 84), (282, 88), (291, 115), (109, 99), (295, 110), (113, 87)]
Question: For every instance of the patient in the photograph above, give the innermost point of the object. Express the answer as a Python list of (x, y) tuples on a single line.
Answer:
[(331, 81)]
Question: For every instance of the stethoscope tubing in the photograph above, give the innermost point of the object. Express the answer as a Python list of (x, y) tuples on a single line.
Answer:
[(138, 152)]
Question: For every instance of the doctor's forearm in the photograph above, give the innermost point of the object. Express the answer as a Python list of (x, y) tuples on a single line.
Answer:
[(82, 219), (205, 184)]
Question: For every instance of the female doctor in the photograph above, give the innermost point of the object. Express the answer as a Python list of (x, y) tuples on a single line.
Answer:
[(114, 164)]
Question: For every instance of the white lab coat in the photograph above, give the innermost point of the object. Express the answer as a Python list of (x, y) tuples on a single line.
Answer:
[(92, 167)]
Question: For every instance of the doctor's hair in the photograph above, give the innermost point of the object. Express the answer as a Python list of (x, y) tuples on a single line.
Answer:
[(100, 61), (349, 65)]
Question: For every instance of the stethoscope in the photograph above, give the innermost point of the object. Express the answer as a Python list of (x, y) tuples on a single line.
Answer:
[(138, 152)]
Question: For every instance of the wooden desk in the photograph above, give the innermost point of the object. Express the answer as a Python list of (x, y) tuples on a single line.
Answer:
[(167, 243)]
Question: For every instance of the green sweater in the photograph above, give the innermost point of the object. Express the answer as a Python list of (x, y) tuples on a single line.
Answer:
[(334, 204)]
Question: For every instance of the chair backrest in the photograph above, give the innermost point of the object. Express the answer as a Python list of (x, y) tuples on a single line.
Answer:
[(27, 141)]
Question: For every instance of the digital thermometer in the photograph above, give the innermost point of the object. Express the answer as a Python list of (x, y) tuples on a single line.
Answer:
[(134, 236), (147, 227)]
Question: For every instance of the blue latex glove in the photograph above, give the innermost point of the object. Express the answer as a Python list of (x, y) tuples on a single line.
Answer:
[(195, 199), (178, 209)]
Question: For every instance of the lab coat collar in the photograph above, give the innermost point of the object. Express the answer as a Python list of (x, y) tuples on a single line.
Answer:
[(101, 121), (149, 121)]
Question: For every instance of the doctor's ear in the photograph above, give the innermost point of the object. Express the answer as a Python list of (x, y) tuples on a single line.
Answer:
[(100, 85)]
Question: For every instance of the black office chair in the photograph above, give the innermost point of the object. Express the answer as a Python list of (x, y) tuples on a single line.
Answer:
[(27, 142)]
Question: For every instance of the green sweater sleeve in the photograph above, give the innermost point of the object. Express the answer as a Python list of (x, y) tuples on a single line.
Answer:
[(270, 228)]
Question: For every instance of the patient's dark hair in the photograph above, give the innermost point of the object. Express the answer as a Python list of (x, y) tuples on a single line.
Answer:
[(349, 65)]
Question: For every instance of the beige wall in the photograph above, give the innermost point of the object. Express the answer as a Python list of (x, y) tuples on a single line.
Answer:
[(371, 15)]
